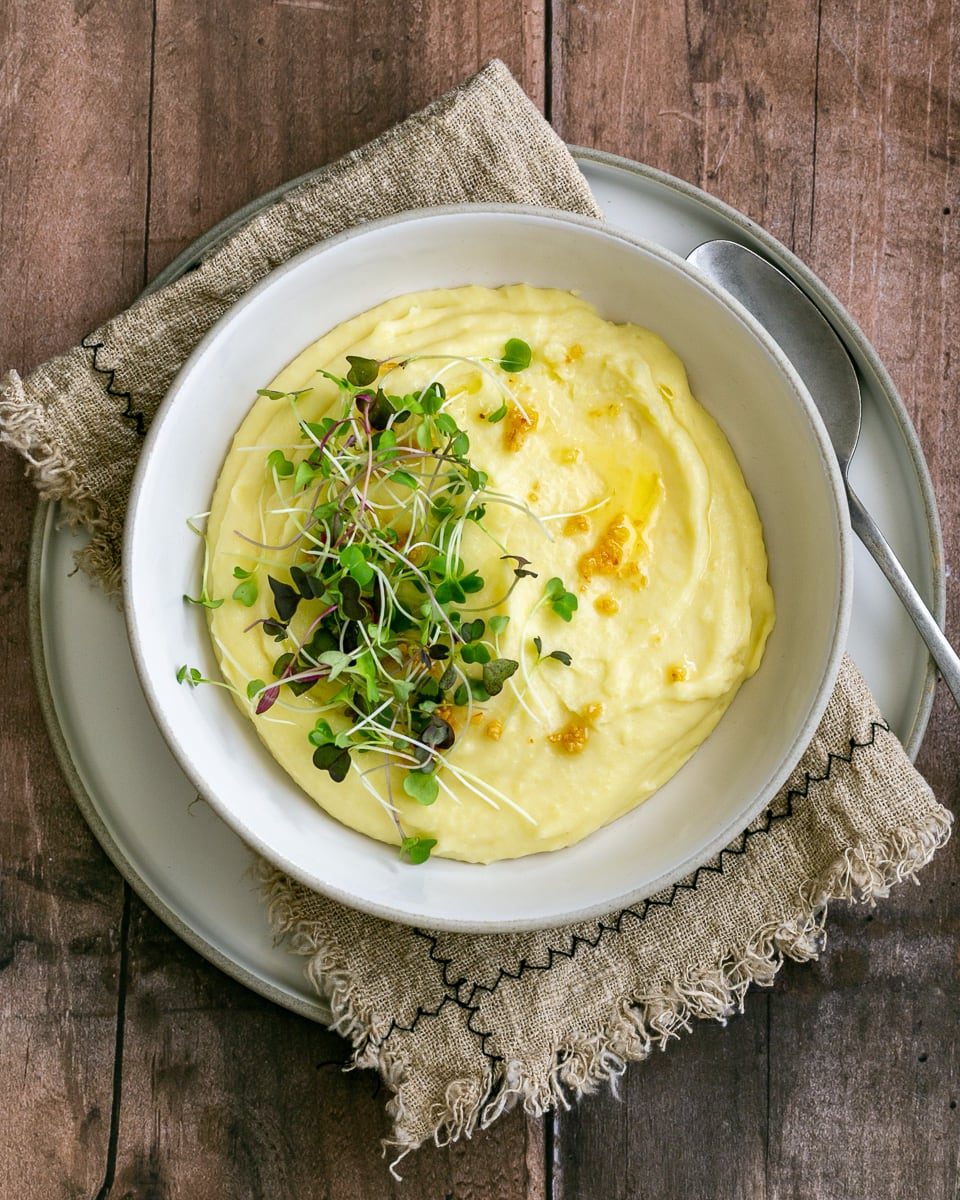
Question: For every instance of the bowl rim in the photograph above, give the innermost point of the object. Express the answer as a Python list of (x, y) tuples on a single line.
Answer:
[(788, 761)]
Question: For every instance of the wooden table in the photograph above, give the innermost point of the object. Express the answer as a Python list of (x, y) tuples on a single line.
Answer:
[(131, 1068)]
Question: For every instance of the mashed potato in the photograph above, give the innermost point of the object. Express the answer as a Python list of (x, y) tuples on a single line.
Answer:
[(644, 515)]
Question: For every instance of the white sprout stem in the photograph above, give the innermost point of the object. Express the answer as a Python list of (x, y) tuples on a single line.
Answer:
[(522, 655), (423, 579), (369, 718), (518, 695), (387, 806), (450, 792), (510, 502), (580, 512), (464, 776), (470, 788)]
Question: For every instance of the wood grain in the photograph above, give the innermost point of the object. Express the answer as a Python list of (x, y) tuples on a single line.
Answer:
[(831, 124), (73, 104), (248, 94)]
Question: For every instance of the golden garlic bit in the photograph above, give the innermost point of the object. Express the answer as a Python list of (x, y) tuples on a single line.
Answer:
[(518, 426), (606, 557), (573, 737), (607, 605), (569, 455), (677, 674), (575, 352), (495, 730), (578, 523)]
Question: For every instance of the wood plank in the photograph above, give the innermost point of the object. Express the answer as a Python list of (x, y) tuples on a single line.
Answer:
[(250, 93), (224, 1094), (719, 94), (72, 200), (882, 1120)]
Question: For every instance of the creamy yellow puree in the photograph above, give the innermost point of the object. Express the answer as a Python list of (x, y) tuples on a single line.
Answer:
[(653, 528)]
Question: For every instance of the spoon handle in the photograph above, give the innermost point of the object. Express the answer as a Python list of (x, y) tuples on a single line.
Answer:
[(943, 653)]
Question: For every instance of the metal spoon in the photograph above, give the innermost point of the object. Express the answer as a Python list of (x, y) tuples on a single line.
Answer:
[(810, 343)]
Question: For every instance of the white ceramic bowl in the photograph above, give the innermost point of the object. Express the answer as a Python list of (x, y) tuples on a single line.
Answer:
[(736, 372)]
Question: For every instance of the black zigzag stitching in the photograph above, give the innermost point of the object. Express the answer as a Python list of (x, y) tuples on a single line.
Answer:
[(454, 987), (129, 412)]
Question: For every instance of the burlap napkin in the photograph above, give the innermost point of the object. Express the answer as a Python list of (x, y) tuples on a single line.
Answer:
[(462, 1027)]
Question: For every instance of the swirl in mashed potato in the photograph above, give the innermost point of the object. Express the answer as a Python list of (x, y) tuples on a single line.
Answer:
[(649, 522)]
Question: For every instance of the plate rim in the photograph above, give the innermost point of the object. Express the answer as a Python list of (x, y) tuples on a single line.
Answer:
[(188, 259), (318, 1010)]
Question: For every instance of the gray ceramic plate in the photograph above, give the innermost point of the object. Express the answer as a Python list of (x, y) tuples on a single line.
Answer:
[(186, 864)]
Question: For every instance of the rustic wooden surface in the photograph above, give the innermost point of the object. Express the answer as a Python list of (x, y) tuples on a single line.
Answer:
[(133, 1069)]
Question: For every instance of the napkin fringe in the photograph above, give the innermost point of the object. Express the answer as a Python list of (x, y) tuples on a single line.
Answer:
[(641, 1023), (22, 426)]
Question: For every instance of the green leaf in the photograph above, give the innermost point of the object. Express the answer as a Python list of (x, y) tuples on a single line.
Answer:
[(450, 590), (333, 759), (336, 660), (246, 593), (321, 734), (203, 600), (424, 436), (240, 573), (278, 461), (405, 479), (350, 601), (475, 653), (472, 583), (563, 603), (362, 370), (420, 787), (341, 383), (496, 673), (516, 356), (254, 686), (417, 849), (461, 445), (539, 645), (380, 410), (446, 424), (285, 598), (498, 623), (500, 413), (432, 397), (367, 668), (189, 675), (354, 561), (270, 395), (305, 476), (561, 656), (281, 665)]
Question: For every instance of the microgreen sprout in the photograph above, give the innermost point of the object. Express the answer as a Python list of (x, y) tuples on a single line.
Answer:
[(563, 603), (516, 356), (375, 612), (203, 600)]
